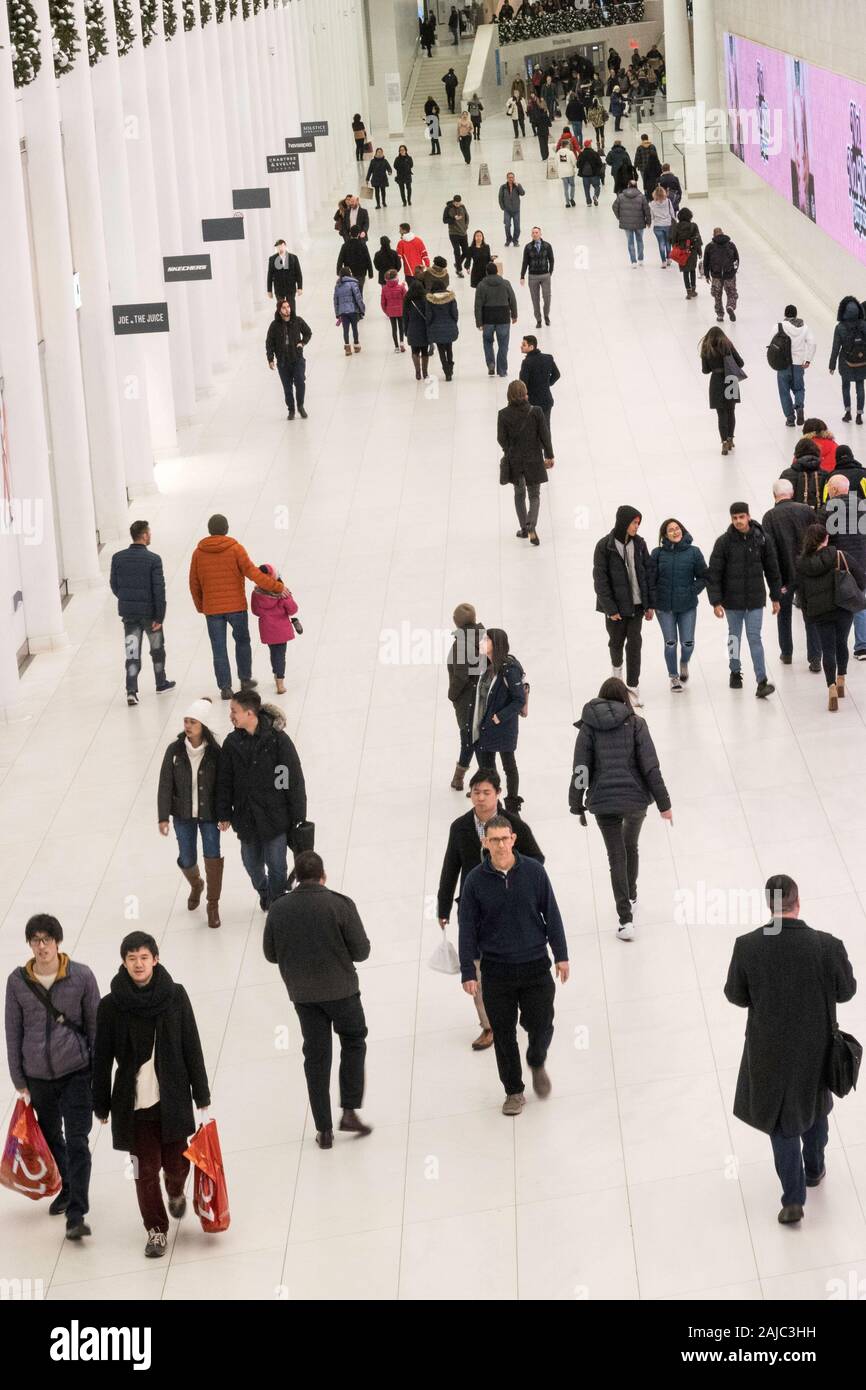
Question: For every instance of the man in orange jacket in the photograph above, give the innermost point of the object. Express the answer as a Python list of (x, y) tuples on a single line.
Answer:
[(216, 581)]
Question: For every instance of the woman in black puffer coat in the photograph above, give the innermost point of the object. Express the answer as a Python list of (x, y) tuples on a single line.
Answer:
[(500, 697), (816, 587), (805, 474), (527, 453), (415, 325), (849, 353), (615, 776)]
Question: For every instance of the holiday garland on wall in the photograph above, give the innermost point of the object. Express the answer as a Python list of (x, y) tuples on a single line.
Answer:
[(148, 22), (206, 12), (188, 15), (24, 36), (169, 18), (233, 8), (97, 39), (220, 7), (246, 8), (65, 39), (125, 26)]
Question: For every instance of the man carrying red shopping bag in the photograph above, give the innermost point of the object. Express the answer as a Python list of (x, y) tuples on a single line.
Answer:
[(146, 1025), (51, 1006), (28, 1164), (210, 1198)]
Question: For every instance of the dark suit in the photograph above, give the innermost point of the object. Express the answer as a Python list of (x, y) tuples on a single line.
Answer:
[(362, 222), (284, 284), (539, 372)]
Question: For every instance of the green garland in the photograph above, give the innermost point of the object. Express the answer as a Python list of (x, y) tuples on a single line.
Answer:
[(148, 21), (206, 12), (65, 40), (169, 18), (24, 36), (97, 38), (257, 5), (233, 8), (220, 6), (125, 27), (188, 15), (246, 8)]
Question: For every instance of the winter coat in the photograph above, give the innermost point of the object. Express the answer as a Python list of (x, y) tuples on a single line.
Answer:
[(524, 438), (412, 253), (687, 234), (475, 107), (515, 108), (805, 473), (275, 613), (347, 297), (178, 1061), (723, 388), (615, 767), (803, 344), (385, 259), (509, 198), (617, 104), (567, 141), (738, 564), (138, 583), (37, 1046), (783, 975), (597, 115), (785, 524), (679, 575), (848, 467), (611, 581), (435, 278), (456, 218), (827, 445), (391, 298), (463, 853), (286, 340), (564, 162), (415, 316), (362, 222), (377, 171), (451, 81), (434, 129), (355, 254), (816, 581), (721, 258), (315, 935), (575, 111), (216, 576), (441, 313), (849, 326), (403, 165), (505, 698), (539, 372), (616, 157), (662, 213), (537, 262), (495, 301), (590, 165), (631, 210), (464, 668), (174, 792), (672, 186), (476, 262), (845, 520), (646, 161), (251, 790), (286, 282)]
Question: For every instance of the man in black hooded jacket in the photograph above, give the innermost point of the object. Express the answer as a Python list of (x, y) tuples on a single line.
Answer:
[(743, 556), (287, 337), (624, 593)]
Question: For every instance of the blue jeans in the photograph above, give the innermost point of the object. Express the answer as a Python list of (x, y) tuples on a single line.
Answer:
[(64, 1108), (259, 856), (134, 632), (216, 631), (683, 624), (350, 321), (752, 618), (859, 387), (860, 631), (187, 840), (502, 333), (635, 239), (791, 383), (662, 236), (278, 654), (591, 188), (512, 226), (794, 1166), (568, 188), (577, 131)]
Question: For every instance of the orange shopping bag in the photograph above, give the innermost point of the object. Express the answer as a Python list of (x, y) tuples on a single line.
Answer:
[(210, 1198), (28, 1164)]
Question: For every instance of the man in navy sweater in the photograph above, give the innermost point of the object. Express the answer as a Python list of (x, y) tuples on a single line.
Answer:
[(508, 915), (138, 584)]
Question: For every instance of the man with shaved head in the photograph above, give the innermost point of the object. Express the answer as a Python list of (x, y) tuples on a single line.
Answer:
[(844, 515), (785, 523)]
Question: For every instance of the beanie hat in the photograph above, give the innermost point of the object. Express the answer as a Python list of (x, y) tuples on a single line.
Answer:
[(587, 144), (199, 709), (217, 525), (267, 569), (843, 453), (440, 261), (624, 518), (739, 507), (464, 615)]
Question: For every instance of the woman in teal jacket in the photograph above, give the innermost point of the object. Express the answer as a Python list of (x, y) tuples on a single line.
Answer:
[(680, 573)]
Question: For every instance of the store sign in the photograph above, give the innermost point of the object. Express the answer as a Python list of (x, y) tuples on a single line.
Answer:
[(304, 144), (140, 318), (314, 127), (222, 229), (186, 268), (251, 197), (283, 163)]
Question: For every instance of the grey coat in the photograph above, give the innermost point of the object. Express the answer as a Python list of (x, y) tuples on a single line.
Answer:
[(509, 198), (36, 1045), (631, 210)]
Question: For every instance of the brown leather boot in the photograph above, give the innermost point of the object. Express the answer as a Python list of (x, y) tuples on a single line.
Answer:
[(457, 779), (214, 872), (840, 687), (832, 697), (196, 886)]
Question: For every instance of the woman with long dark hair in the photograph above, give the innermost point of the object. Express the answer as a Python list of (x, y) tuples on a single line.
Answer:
[(527, 453), (680, 576), (187, 795), (477, 259), (816, 568), (415, 325), (723, 364), (500, 698), (615, 776), (686, 235)]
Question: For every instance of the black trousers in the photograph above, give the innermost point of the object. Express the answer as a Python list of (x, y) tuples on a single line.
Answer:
[(689, 277), (832, 632), (626, 635), (450, 93), (459, 247), (509, 767), (523, 993), (522, 128), (727, 419), (346, 1018), (405, 187), (465, 143), (397, 330), (446, 357), (621, 834), (64, 1109)]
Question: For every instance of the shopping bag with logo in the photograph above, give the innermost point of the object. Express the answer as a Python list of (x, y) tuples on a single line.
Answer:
[(210, 1198), (28, 1164)]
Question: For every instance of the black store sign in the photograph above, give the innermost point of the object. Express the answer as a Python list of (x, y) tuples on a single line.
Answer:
[(251, 197), (140, 318), (283, 163), (314, 127), (222, 229), (304, 145), (186, 268)]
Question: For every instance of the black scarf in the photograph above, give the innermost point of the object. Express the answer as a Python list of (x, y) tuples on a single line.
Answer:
[(143, 1006)]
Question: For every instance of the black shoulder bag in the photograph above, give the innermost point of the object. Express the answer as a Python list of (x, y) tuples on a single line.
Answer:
[(845, 1053), (42, 996)]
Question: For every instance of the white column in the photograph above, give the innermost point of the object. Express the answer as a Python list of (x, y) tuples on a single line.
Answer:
[(230, 262), (237, 162), (41, 111), (706, 47), (98, 365), (209, 204), (301, 54), (678, 59), (250, 99)]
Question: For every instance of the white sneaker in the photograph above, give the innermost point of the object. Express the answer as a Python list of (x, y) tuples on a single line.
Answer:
[(676, 683), (616, 672), (625, 932), (634, 696)]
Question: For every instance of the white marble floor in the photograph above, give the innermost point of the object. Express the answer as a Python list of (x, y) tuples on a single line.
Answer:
[(633, 1180)]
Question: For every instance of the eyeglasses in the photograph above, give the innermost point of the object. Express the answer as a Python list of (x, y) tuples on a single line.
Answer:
[(41, 940), (499, 839)]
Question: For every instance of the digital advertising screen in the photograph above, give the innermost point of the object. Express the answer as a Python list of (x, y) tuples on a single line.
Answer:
[(799, 127)]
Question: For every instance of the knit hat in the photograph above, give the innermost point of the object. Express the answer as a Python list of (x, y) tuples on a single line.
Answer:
[(267, 569), (737, 508), (440, 261), (201, 710), (624, 518), (217, 525), (843, 453), (587, 144)]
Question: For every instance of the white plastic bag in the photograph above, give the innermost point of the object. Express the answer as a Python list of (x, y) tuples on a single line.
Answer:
[(445, 958)]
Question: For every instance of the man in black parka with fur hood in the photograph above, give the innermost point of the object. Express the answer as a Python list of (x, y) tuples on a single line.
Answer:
[(624, 592)]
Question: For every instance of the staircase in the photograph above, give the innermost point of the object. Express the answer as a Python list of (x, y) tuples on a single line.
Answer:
[(427, 81)]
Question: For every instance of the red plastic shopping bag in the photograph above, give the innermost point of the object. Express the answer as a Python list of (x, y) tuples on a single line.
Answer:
[(210, 1198), (28, 1164)]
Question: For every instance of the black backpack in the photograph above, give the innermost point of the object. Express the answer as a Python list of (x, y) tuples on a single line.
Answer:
[(779, 354), (855, 348)]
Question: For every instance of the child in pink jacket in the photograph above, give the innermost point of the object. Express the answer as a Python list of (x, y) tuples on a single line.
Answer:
[(393, 294), (277, 625)]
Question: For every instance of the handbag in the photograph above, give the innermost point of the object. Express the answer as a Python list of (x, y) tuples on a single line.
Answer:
[(681, 254), (731, 368), (845, 1053), (365, 191), (847, 593), (368, 147)]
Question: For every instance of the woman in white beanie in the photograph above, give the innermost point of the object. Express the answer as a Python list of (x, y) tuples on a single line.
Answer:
[(187, 787)]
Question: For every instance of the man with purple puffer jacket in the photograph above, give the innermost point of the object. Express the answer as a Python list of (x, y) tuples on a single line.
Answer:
[(277, 624)]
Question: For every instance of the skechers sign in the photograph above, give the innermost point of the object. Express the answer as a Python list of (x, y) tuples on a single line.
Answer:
[(186, 268), (283, 163), (140, 318)]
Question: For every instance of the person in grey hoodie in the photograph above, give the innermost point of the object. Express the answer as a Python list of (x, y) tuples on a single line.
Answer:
[(51, 1005), (495, 311), (632, 212), (510, 194), (456, 219)]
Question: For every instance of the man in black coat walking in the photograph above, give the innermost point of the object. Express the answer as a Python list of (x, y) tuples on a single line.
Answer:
[(355, 254), (785, 524), (286, 339), (539, 372), (790, 978), (138, 584), (260, 793), (315, 936), (465, 851), (741, 558), (623, 580), (146, 1025), (285, 278), (538, 265)]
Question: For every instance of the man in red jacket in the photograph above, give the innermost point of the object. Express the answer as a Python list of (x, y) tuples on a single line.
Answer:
[(411, 250), (216, 581)]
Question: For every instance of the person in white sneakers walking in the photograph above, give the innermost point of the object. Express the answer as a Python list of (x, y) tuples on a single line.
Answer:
[(791, 363), (623, 578)]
